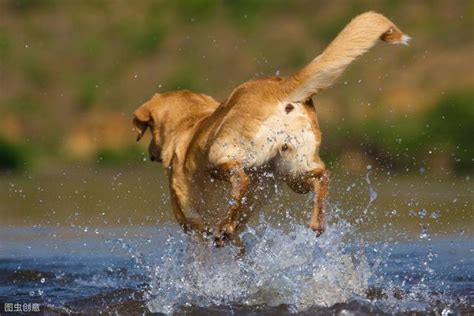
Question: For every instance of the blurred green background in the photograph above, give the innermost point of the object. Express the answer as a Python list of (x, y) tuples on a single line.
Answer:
[(72, 72)]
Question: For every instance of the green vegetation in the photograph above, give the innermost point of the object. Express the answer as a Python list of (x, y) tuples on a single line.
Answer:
[(113, 156), (27, 6), (87, 92), (144, 38), (4, 44), (34, 71), (13, 156), (451, 125), (185, 79), (65, 64), (192, 9), (24, 104), (446, 129)]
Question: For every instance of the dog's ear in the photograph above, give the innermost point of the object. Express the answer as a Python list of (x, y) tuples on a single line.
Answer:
[(141, 120), (355, 39)]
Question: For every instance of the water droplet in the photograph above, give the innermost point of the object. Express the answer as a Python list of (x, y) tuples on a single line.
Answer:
[(422, 213), (447, 311), (424, 234)]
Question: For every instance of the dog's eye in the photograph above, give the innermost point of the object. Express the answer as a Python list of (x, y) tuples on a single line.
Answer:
[(289, 107)]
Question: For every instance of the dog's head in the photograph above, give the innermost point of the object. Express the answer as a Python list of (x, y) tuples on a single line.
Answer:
[(168, 116)]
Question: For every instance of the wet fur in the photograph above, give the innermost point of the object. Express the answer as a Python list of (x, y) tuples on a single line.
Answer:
[(265, 125)]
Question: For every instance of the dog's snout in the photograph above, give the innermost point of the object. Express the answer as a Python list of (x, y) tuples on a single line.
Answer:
[(155, 156)]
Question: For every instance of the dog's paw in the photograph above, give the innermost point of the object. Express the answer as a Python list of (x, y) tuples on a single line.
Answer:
[(317, 228), (224, 235), (221, 240), (194, 227)]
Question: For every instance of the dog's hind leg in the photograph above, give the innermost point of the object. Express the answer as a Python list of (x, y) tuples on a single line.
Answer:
[(235, 174), (316, 181), (320, 184)]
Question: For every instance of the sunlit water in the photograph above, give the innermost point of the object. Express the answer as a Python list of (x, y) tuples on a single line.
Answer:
[(285, 270)]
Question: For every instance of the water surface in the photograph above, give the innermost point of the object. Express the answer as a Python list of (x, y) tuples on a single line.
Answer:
[(105, 241)]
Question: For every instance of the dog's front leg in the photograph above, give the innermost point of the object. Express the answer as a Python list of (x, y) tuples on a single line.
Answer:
[(240, 182), (320, 185), (179, 191)]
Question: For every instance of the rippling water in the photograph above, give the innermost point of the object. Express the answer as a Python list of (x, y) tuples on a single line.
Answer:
[(379, 259), (284, 270)]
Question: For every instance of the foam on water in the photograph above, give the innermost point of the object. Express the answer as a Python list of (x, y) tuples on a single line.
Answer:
[(290, 267)]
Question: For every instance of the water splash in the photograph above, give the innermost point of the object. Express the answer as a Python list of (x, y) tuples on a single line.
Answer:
[(281, 267), (372, 192), (286, 265)]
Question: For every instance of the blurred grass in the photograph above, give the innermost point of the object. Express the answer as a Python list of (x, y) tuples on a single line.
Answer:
[(4, 44), (88, 91), (13, 156), (34, 71), (112, 156), (26, 6), (64, 62), (410, 141), (145, 37), (192, 9), (451, 124)]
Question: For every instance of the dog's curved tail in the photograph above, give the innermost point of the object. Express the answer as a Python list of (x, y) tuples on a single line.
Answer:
[(355, 39)]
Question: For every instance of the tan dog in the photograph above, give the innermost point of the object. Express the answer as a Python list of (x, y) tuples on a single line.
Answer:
[(265, 125)]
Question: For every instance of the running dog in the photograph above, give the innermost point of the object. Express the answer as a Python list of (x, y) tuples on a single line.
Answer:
[(265, 125)]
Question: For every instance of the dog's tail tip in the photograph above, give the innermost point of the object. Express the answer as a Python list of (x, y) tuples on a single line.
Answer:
[(395, 36), (405, 40)]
